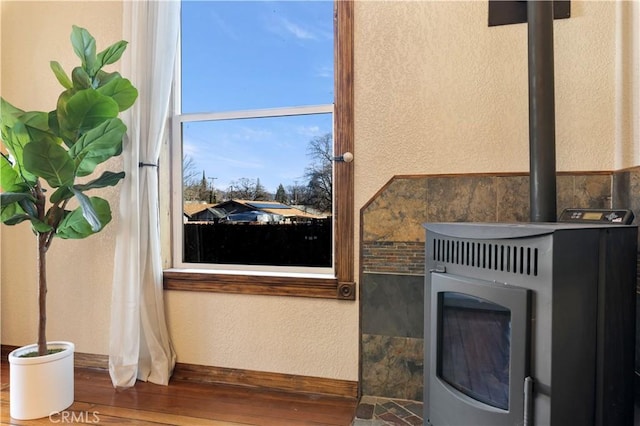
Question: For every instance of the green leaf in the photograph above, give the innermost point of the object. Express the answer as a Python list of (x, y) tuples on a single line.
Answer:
[(111, 54), (15, 219), (85, 47), (54, 126), (20, 127), (83, 111), (50, 161), (10, 179), (29, 206), (36, 123), (102, 78), (106, 179), (12, 214), (36, 120), (98, 145), (61, 75), (14, 134), (60, 194), (88, 211), (7, 198), (15, 138), (120, 90), (81, 79), (75, 226), (103, 137), (8, 113), (39, 226), (15, 206)]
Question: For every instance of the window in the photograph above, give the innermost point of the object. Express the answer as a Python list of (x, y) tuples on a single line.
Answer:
[(259, 204)]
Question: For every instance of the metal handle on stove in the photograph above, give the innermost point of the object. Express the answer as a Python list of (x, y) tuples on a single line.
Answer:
[(528, 401)]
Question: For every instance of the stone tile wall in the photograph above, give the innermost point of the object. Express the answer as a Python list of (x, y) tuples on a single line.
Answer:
[(392, 247)]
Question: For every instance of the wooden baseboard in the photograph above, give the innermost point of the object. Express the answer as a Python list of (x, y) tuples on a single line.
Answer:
[(266, 380), (85, 360), (231, 376)]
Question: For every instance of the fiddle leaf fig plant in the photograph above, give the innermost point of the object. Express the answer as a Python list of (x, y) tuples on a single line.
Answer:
[(48, 164)]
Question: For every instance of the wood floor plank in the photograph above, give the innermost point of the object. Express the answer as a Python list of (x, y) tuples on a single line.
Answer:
[(150, 417), (234, 398), (228, 404), (186, 403)]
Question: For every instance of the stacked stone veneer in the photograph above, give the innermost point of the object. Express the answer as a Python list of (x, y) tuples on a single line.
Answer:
[(392, 248)]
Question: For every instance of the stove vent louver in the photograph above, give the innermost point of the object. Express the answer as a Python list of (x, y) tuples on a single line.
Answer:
[(492, 256)]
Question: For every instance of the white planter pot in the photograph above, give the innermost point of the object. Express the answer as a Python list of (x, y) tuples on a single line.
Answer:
[(40, 386)]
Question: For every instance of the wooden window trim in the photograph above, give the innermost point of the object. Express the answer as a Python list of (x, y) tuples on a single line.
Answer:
[(343, 285)]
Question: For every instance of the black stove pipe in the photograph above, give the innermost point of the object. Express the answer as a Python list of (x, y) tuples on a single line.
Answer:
[(542, 150)]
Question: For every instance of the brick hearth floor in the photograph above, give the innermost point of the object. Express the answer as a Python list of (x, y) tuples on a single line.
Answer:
[(375, 411)]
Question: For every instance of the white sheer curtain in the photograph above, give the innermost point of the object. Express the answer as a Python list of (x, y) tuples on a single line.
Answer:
[(140, 346)]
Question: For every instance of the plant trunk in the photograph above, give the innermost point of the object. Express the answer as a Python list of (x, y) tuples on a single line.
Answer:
[(42, 293)]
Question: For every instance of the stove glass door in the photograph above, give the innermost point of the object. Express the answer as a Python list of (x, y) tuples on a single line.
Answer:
[(474, 355)]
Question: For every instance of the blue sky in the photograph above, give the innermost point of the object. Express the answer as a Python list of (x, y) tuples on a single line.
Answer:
[(240, 55)]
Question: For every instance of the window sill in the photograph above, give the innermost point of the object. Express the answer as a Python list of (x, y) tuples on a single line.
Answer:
[(323, 288)]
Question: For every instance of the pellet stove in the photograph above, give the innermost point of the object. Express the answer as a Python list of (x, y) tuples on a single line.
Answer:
[(530, 324)]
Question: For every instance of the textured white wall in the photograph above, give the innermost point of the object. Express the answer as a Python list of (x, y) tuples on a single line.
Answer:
[(277, 334)]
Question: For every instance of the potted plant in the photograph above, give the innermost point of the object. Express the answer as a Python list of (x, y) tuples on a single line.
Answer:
[(46, 172)]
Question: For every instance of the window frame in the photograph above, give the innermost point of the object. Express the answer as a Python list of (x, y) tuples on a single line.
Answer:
[(177, 191), (339, 285)]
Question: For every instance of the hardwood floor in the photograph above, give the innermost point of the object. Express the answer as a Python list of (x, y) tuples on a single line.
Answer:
[(185, 403)]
